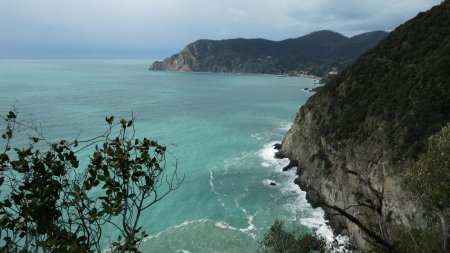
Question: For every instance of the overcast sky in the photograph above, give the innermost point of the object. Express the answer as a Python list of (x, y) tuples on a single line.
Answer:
[(158, 28)]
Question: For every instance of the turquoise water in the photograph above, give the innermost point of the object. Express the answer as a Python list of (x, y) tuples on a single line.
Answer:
[(223, 127)]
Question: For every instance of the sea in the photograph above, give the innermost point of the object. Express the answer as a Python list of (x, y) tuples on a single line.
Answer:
[(220, 128)]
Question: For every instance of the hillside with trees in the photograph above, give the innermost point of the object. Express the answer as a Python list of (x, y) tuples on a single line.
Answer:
[(315, 53), (369, 128)]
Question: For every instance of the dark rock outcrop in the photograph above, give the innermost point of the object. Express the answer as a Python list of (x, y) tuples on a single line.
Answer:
[(292, 164), (279, 155), (277, 146)]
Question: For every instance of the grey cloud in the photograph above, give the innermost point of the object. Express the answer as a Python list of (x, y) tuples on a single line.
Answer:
[(160, 26)]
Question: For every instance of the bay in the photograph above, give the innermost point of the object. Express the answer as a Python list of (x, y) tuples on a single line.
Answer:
[(220, 127)]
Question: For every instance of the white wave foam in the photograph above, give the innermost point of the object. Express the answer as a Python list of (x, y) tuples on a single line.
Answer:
[(317, 222), (268, 182), (235, 160), (247, 230), (271, 133), (182, 251), (187, 223), (299, 206), (224, 225), (258, 136), (211, 183), (154, 236), (265, 164), (267, 154), (285, 127), (184, 224), (250, 227)]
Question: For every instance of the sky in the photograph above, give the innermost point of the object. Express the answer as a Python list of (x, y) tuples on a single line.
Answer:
[(159, 28)]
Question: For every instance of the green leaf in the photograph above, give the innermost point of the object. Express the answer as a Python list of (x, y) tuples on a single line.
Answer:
[(123, 122), (82, 238), (11, 115), (7, 203), (34, 139), (110, 119)]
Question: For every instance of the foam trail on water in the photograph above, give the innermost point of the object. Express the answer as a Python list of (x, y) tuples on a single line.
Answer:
[(150, 237), (211, 183), (251, 226), (247, 230)]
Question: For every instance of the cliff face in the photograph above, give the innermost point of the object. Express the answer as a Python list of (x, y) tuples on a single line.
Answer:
[(211, 56), (316, 52), (372, 122)]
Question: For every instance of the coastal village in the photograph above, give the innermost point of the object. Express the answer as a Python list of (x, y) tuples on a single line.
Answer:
[(306, 74)]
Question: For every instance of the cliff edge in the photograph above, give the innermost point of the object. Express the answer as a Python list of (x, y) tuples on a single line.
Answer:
[(366, 126)]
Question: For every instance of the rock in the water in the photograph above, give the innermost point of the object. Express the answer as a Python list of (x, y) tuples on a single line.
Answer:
[(273, 183), (277, 146), (279, 155), (292, 164)]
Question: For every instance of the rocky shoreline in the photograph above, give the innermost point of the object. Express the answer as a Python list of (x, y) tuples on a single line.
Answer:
[(312, 196)]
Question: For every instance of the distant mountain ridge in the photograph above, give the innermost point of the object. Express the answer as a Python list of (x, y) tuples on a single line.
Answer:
[(316, 52)]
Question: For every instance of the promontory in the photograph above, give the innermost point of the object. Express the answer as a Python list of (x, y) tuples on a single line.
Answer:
[(315, 54)]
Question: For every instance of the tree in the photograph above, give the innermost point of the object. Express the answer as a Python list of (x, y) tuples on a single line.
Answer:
[(279, 240), (429, 179), (49, 204)]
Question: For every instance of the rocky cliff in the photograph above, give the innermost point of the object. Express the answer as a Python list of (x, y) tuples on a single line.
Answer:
[(316, 52), (365, 127)]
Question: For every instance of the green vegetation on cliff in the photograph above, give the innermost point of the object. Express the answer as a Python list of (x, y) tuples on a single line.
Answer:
[(397, 93), (368, 128), (429, 180), (316, 53)]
